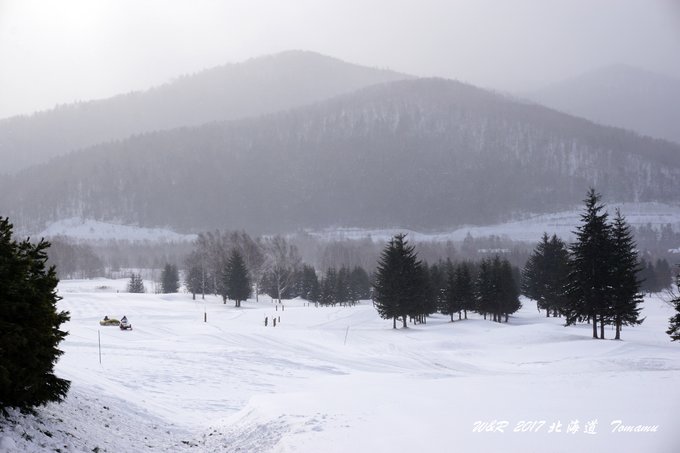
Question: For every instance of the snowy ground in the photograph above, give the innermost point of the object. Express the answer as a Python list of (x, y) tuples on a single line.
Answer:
[(341, 380)]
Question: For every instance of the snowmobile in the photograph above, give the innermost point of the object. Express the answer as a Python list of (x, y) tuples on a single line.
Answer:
[(109, 322), (124, 324)]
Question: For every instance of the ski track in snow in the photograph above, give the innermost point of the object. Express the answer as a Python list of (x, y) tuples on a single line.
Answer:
[(175, 383)]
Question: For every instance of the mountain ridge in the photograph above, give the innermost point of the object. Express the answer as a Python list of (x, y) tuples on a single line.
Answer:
[(619, 95), (252, 88)]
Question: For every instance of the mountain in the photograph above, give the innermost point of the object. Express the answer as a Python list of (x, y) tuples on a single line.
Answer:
[(255, 87), (420, 154), (621, 96)]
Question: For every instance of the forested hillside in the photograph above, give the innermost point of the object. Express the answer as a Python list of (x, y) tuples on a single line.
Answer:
[(426, 153)]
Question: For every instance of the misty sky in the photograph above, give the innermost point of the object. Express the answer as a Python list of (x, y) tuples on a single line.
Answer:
[(60, 51)]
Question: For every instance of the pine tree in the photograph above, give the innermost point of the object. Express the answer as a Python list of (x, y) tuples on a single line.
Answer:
[(342, 286), (450, 300), (195, 281), (626, 294), (546, 274), (674, 322), (309, 285), (508, 293), (484, 289), (359, 284), (664, 277), (590, 278), (169, 279), (29, 322), (398, 281), (237, 281), (647, 277), (136, 284), (465, 287), (328, 287)]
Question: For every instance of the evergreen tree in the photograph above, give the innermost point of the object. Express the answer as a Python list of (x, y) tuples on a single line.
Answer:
[(237, 282), (136, 284), (169, 279), (29, 322), (496, 289), (328, 287), (398, 282), (590, 278), (450, 302), (359, 284), (195, 281), (664, 277), (647, 277), (508, 292), (309, 284), (546, 273), (434, 288), (674, 322), (626, 294), (465, 288), (342, 286), (484, 289)]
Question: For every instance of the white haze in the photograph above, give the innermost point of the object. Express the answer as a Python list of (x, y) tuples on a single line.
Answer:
[(60, 52)]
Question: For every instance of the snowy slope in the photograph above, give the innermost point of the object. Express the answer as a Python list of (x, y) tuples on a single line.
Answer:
[(93, 230), (340, 380), (528, 230)]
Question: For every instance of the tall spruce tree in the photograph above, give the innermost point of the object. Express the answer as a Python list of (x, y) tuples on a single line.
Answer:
[(359, 284), (309, 284), (546, 274), (342, 286), (674, 322), (328, 287), (450, 300), (465, 287), (508, 292), (484, 289), (626, 295), (169, 279), (237, 279), (29, 322), (591, 266), (398, 285)]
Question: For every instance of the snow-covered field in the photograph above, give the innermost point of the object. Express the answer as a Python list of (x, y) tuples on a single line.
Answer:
[(341, 380), (94, 230)]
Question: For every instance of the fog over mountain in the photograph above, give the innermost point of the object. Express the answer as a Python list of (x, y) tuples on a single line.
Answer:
[(622, 96), (425, 154), (255, 87)]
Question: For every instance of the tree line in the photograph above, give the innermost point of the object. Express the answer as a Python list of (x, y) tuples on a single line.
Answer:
[(222, 261), (408, 288)]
